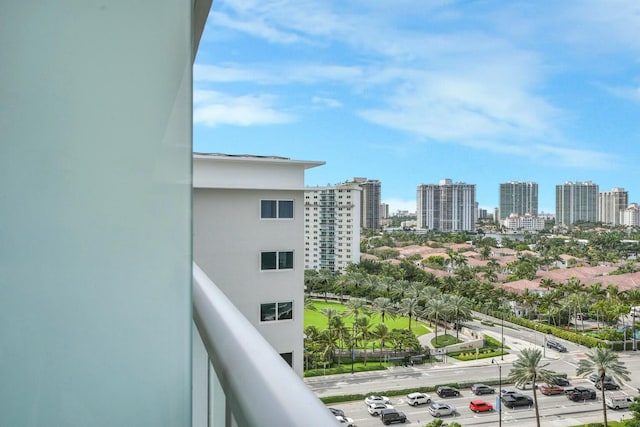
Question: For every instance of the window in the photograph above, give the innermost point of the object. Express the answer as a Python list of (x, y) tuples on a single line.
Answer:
[(273, 209), (276, 260), (288, 357), (276, 311)]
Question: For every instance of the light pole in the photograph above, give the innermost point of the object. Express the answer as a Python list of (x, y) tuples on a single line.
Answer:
[(499, 396), (502, 334)]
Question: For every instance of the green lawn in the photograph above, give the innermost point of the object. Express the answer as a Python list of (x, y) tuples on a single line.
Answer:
[(444, 340), (319, 320)]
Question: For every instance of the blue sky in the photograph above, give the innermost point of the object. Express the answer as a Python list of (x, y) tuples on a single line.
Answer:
[(411, 92)]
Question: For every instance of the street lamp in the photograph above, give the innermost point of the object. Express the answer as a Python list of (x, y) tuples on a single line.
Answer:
[(499, 395), (502, 334)]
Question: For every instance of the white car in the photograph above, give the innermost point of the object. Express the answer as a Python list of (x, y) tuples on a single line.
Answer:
[(345, 421), (375, 408), (440, 409), (417, 398), (376, 399)]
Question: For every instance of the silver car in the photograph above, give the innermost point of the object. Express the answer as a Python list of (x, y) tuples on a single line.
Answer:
[(440, 409)]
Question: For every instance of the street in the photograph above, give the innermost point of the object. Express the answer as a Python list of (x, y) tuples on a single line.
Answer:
[(554, 410)]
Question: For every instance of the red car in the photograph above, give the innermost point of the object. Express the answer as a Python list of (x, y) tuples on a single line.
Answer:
[(549, 389), (480, 406)]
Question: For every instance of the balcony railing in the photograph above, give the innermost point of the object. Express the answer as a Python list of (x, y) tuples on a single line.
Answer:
[(260, 388)]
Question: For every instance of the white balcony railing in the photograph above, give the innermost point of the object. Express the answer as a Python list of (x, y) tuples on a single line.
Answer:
[(260, 388)]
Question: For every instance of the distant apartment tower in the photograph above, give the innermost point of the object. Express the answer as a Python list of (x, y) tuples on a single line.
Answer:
[(631, 215), (576, 201), (248, 236), (446, 206), (611, 204), (384, 210), (518, 198), (369, 202), (332, 226)]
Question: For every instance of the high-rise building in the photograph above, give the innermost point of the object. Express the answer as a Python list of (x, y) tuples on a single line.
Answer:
[(248, 237), (518, 198), (332, 226), (576, 201), (369, 203), (611, 204), (631, 215), (446, 206), (384, 210)]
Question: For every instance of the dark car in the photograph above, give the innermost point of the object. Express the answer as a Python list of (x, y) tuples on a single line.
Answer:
[(337, 412), (608, 385), (515, 400), (446, 391), (479, 389), (580, 393), (389, 416), (561, 381), (556, 346)]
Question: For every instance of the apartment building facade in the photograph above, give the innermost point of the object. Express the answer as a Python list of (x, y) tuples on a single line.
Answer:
[(523, 223), (518, 198), (611, 205), (576, 201), (369, 202), (631, 215), (248, 237), (446, 206), (332, 226)]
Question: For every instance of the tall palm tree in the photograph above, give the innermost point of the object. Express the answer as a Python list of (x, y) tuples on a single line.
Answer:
[(459, 310), (409, 307), (604, 362), (364, 329), (325, 277), (384, 307), (381, 332), (527, 368), (435, 310), (355, 308)]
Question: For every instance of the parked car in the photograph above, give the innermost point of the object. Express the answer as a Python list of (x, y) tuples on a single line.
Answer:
[(480, 406), (525, 385), (561, 381), (608, 385), (389, 416), (337, 412), (556, 346), (515, 400), (550, 389), (479, 389), (376, 408), (594, 377), (415, 399), (376, 399), (579, 393), (506, 391), (345, 421), (446, 391), (441, 409)]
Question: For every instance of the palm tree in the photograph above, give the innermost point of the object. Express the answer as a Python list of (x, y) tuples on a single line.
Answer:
[(604, 362), (381, 332), (325, 277), (527, 368), (355, 307), (364, 326), (384, 306), (409, 307), (459, 310), (435, 309)]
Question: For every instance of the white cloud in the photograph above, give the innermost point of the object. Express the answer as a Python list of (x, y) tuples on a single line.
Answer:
[(214, 109), (328, 102)]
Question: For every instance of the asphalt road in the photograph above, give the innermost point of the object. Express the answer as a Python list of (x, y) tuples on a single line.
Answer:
[(556, 411)]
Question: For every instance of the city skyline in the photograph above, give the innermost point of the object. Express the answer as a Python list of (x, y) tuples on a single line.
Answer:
[(409, 93)]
